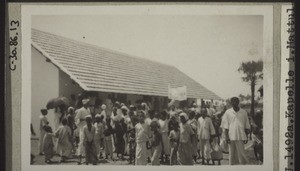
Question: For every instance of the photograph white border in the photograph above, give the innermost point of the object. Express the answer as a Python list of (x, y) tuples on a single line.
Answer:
[(27, 10)]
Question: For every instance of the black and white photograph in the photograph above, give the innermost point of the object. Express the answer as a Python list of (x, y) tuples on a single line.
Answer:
[(153, 87)]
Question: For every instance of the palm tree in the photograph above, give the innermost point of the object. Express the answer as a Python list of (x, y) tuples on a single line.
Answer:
[(252, 71)]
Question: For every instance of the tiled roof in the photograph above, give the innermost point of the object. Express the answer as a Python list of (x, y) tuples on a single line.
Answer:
[(98, 69)]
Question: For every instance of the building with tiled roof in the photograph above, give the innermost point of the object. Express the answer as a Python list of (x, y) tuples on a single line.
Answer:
[(65, 67)]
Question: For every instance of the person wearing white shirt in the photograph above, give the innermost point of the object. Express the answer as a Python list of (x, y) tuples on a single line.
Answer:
[(164, 130), (236, 124), (206, 131), (80, 122), (43, 122), (142, 140)]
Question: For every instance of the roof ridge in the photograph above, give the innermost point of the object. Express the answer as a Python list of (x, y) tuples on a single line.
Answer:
[(50, 45), (102, 48), (198, 83)]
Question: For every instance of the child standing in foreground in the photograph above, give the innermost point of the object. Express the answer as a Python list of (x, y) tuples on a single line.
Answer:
[(174, 141), (72, 125), (163, 124), (142, 140), (48, 144), (99, 134), (108, 144), (156, 143), (185, 139), (89, 132), (216, 154), (194, 125), (43, 122), (63, 134), (206, 131)]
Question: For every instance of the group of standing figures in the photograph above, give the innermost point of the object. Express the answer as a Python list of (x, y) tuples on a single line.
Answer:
[(171, 137)]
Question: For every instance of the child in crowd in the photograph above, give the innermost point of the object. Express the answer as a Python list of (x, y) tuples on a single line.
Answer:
[(216, 154), (142, 140), (185, 139), (48, 144), (63, 134), (198, 115), (108, 144), (132, 145), (148, 131), (43, 122), (89, 132), (120, 130), (129, 126), (174, 141), (163, 124), (156, 143), (99, 136), (194, 124), (71, 119), (72, 125), (205, 133)]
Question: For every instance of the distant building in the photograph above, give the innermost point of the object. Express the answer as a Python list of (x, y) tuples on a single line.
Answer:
[(65, 67)]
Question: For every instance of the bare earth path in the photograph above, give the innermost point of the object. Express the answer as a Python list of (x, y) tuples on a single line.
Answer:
[(39, 160)]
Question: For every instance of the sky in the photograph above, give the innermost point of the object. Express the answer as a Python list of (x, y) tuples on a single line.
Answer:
[(208, 48)]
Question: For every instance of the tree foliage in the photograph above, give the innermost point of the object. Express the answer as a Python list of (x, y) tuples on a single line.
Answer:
[(252, 71)]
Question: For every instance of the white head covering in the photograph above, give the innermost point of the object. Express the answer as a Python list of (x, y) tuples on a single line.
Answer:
[(179, 111), (145, 105), (85, 101), (103, 107), (97, 115), (184, 115), (124, 108), (88, 116), (70, 108)]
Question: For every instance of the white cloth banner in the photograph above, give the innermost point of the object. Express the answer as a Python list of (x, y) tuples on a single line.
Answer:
[(178, 93)]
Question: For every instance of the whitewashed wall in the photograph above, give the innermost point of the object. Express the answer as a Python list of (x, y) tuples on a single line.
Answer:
[(44, 86)]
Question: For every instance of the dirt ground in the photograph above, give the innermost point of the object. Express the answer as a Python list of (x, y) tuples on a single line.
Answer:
[(40, 160)]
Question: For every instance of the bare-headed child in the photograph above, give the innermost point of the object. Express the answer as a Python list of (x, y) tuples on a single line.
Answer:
[(142, 139), (174, 141), (205, 135), (164, 129), (43, 122), (108, 143), (99, 133), (48, 144), (64, 136), (156, 143), (89, 132)]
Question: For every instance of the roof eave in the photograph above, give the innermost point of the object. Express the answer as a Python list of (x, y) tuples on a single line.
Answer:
[(59, 66)]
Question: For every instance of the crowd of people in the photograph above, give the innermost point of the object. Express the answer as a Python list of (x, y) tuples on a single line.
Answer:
[(145, 136)]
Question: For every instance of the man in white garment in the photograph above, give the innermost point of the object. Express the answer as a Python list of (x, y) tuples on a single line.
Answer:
[(80, 121), (236, 124)]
